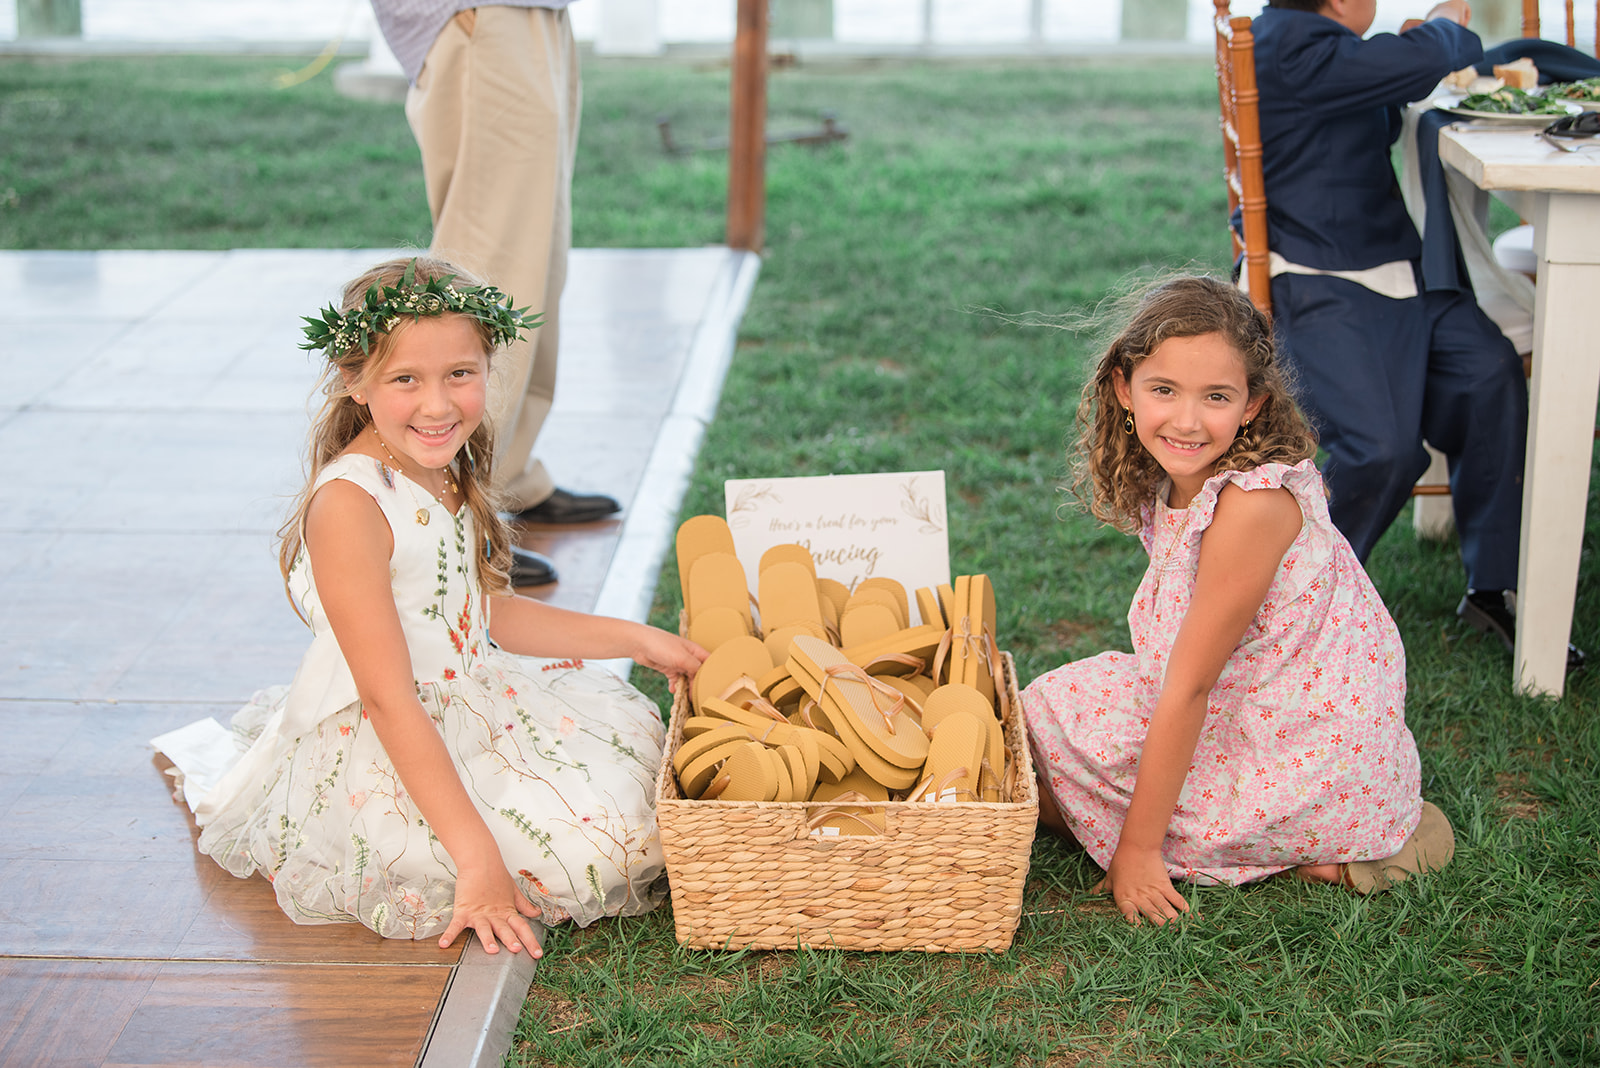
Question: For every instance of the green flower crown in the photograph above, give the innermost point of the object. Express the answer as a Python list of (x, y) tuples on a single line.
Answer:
[(338, 332)]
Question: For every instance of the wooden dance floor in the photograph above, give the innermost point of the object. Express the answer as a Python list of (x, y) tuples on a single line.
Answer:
[(153, 414)]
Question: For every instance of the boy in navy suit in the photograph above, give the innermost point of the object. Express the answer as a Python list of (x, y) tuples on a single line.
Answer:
[(1383, 361)]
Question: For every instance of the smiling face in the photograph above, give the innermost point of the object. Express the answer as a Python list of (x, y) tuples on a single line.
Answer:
[(1188, 399), (429, 395)]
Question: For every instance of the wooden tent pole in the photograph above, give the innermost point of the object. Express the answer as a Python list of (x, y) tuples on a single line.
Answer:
[(747, 136)]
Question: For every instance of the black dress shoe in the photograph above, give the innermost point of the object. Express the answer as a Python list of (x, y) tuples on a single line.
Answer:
[(1490, 611), (529, 568), (562, 508)]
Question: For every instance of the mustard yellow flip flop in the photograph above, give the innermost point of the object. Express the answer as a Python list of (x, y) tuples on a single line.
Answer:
[(896, 594), (874, 724), (852, 789), (983, 659), (710, 627), (697, 759), (732, 666), (778, 640), (787, 594), (956, 753), (752, 772), (788, 554), (717, 580), (913, 694), (868, 616), (836, 593), (697, 536), (947, 602), (879, 657)]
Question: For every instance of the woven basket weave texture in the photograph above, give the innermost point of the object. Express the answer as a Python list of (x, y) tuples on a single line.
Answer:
[(942, 877)]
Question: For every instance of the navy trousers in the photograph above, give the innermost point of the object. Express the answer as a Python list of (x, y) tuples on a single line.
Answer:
[(1378, 376)]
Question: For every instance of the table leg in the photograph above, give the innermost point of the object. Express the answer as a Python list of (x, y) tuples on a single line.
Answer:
[(1561, 419)]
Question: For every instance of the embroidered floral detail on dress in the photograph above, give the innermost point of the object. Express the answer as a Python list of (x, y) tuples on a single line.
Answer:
[(561, 763)]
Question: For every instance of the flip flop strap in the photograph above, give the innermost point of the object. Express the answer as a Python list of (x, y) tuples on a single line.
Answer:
[(915, 663), (766, 708), (805, 714), (833, 811), (977, 645), (1002, 696), (743, 682), (1010, 777), (766, 732), (942, 784), (875, 689), (939, 657)]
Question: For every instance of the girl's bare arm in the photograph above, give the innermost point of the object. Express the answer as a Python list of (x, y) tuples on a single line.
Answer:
[(349, 542), (532, 628), (1239, 555)]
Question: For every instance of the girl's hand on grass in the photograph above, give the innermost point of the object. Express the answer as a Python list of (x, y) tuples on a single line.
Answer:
[(489, 902), (1138, 882)]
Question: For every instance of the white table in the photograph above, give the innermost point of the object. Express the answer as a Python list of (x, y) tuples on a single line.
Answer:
[(1559, 193)]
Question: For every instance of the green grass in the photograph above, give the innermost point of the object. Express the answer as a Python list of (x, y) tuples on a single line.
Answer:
[(1015, 188)]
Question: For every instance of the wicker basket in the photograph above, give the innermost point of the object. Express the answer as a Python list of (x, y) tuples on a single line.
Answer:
[(942, 877)]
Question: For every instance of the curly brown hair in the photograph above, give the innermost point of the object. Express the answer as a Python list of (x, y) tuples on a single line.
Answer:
[(1112, 473), (341, 419)]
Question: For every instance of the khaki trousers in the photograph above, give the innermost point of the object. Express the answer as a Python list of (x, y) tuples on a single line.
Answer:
[(495, 111)]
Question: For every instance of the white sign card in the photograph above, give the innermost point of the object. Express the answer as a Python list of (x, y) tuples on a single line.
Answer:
[(856, 526)]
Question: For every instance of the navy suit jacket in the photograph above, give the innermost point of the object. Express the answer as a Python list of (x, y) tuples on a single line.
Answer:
[(1330, 109)]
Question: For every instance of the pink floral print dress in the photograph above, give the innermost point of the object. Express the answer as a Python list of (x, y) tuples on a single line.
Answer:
[(1304, 756), (560, 759)]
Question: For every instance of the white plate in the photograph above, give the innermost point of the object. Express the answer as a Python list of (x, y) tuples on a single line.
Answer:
[(1522, 119)]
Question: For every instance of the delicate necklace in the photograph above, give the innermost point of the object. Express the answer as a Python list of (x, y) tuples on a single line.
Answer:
[(449, 483), (1172, 547)]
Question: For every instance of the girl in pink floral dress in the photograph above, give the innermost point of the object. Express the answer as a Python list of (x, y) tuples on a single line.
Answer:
[(1258, 726), (443, 761)]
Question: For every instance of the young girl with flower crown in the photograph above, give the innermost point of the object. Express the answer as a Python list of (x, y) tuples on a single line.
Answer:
[(427, 772), (1258, 726)]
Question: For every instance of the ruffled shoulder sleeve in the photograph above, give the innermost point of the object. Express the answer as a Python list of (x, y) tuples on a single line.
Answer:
[(1302, 479), (1313, 548)]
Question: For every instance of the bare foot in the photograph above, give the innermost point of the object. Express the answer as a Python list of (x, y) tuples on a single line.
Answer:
[(1319, 873)]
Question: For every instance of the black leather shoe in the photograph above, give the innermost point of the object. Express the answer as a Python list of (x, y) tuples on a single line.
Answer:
[(561, 508), (1490, 611), (529, 568)]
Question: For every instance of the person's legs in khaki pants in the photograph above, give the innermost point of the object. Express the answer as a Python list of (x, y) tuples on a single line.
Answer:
[(495, 110)]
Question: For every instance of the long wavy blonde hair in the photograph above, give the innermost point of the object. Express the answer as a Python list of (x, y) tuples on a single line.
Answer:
[(1112, 473), (341, 419)]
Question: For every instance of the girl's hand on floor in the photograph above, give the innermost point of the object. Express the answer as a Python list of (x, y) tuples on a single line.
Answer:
[(490, 903), (1138, 882)]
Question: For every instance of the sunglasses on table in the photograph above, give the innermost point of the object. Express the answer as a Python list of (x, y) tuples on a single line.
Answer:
[(1584, 125)]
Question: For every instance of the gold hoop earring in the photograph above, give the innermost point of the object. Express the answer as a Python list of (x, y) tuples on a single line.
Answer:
[(1244, 428), (1127, 422)]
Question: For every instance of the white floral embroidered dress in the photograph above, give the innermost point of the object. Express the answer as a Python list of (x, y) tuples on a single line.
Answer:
[(559, 759), (1304, 756)]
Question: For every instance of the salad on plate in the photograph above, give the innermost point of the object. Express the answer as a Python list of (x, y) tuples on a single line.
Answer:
[(1512, 101)]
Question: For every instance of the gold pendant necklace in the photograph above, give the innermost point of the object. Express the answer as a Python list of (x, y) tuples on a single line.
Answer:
[(449, 483), (1172, 547)]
